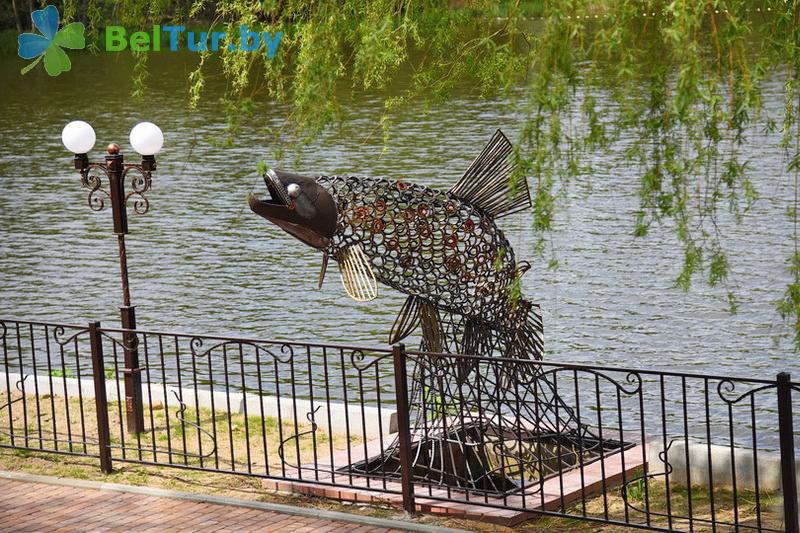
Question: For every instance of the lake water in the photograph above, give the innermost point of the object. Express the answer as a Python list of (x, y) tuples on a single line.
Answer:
[(201, 262)]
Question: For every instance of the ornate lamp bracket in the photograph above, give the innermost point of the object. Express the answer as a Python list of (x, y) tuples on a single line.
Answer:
[(95, 177)]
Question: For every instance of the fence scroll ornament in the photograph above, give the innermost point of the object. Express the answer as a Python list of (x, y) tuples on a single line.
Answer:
[(444, 250), (20, 385), (180, 416), (198, 349)]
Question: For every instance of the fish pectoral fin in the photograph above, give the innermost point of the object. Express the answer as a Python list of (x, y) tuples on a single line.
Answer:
[(356, 273), (407, 320)]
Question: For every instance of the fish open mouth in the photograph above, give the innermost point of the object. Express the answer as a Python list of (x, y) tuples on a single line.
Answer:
[(277, 191), (306, 217)]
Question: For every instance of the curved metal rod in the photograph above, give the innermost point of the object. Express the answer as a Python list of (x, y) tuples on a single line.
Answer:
[(358, 356), (196, 344), (297, 436), (95, 183), (728, 386), (133, 344), (58, 331), (141, 205), (646, 477), (19, 388), (100, 166), (632, 378), (140, 183), (179, 415)]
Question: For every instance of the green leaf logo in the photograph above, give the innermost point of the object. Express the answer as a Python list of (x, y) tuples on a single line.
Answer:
[(49, 44)]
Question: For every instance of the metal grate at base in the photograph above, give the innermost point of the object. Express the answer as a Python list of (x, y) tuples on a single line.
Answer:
[(490, 460)]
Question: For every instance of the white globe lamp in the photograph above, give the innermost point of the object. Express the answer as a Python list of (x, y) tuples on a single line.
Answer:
[(78, 137), (146, 138)]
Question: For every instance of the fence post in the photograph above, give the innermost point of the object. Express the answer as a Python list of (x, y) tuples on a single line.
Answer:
[(404, 427), (100, 400), (788, 470)]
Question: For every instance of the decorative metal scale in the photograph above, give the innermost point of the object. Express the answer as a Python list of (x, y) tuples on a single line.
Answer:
[(493, 428)]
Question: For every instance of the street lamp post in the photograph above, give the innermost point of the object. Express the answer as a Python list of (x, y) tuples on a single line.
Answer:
[(147, 139)]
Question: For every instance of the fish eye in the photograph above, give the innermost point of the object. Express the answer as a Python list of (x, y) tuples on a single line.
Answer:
[(293, 189)]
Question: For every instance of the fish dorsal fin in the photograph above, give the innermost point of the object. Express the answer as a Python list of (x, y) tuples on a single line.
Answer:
[(487, 182), (407, 320), (357, 276)]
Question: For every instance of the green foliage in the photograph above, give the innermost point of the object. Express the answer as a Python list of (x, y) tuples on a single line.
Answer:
[(59, 373), (636, 491), (514, 291), (436, 405), (680, 78)]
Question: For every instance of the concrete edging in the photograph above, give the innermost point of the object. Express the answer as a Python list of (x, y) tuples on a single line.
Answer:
[(223, 500), (725, 460)]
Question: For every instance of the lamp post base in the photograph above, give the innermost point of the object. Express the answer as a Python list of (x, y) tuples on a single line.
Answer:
[(133, 377)]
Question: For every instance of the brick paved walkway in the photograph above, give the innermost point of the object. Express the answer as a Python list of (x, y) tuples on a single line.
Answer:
[(26, 506)]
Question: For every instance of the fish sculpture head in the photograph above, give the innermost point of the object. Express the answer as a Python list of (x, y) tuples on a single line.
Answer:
[(299, 206)]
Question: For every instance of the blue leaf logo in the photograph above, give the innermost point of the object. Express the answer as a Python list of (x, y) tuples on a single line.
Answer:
[(49, 45)]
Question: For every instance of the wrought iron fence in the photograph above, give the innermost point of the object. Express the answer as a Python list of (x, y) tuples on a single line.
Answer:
[(665, 451)]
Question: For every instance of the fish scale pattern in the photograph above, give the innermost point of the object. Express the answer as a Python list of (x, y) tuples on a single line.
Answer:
[(426, 243)]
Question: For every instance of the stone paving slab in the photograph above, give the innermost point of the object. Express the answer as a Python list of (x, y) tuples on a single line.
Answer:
[(41, 503), (555, 493)]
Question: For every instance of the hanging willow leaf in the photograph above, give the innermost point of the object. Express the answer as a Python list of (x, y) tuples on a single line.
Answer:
[(681, 82)]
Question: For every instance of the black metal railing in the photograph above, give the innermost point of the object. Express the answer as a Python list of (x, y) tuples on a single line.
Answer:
[(666, 451), (662, 450)]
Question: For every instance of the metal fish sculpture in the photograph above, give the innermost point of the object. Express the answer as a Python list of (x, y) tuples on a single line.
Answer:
[(445, 251), (441, 248)]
